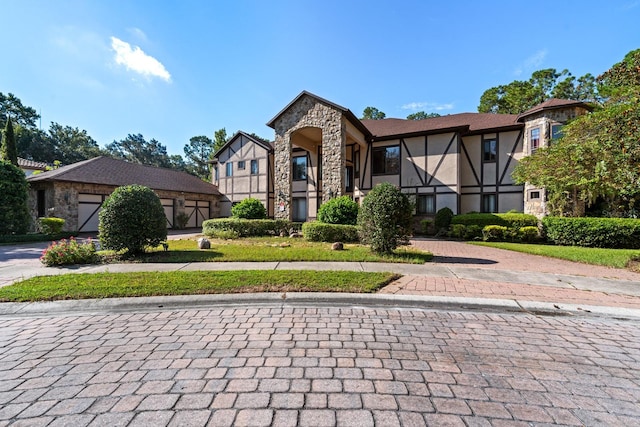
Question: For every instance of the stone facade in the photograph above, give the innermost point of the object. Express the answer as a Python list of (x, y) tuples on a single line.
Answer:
[(308, 112)]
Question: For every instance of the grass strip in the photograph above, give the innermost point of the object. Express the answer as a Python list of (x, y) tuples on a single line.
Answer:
[(618, 258), (143, 284)]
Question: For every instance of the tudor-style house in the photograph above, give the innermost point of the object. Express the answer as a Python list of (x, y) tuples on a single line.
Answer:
[(322, 150)]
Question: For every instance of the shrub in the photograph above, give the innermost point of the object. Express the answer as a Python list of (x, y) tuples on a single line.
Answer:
[(426, 226), (511, 220), (247, 227), (181, 221), (66, 252), (131, 219), (341, 210), (458, 231), (320, 232), (225, 234), (528, 234), (593, 232), (473, 232), (14, 213), (385, 218), (443, 217), (494, 233), (249, 208), (50, 225)]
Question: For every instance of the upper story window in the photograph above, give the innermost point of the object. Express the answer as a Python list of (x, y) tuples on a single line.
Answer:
[(556, 131), (254, 167), (489, 149), (241, 164), (425, 204), (229, 169), (215, 172), (299, 168), (535, 139), (386, 160)]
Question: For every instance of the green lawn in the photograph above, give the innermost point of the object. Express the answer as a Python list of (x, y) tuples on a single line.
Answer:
[(618, 258), (275, 249), (112, 285)]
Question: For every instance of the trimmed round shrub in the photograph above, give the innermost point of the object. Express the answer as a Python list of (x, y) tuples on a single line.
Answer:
[(494, 233), (14, 213), (131, 219), (50, 225), (385, 218), (442, 221), (249, 208), (529, 234), (341, 210), (320, 232)]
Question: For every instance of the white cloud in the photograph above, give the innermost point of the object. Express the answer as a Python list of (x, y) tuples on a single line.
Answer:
[(433, 106), (532, 62), (134, 59)]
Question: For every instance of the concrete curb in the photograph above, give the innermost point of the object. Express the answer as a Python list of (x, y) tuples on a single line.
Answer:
[(189, 302)]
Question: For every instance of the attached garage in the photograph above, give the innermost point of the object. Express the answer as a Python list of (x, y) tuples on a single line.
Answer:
[(76, 192)]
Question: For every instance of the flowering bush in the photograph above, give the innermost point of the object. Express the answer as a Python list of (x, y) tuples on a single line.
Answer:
[(67, 252)]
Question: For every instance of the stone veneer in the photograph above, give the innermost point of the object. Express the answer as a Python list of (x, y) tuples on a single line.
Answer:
[(63, 198), (543, 120), (304, 113)]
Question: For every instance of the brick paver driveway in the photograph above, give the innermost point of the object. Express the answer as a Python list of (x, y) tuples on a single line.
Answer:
[(318, 367)]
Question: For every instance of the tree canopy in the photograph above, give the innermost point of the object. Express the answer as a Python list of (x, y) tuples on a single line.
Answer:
[(421, 115), (519, 96), (598, 157), (219, 138), (372, 113), (136, 149), (198, 153), (22, 115), (8, 151)]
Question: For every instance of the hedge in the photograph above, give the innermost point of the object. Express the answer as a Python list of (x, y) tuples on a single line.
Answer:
[(510, 220), (593, 232), (248, 227), (320, 232)]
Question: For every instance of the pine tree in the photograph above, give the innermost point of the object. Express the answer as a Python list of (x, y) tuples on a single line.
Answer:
[(8, 150)]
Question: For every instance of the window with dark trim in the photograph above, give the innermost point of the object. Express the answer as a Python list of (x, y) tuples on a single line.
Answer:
[(489, 147), (386, 160), (348, 179), (254, 167), (229, 169), (534, 195), (42, 204), (425, 204), (299, 168), (356, 164), (489, 203), (556, 131), (215, 173), (241, 164), (299, 207), (535, 139)]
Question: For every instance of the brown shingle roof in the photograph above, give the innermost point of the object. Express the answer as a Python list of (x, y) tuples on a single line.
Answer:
[(554, 103), (31, 164), (466, 122), (109, 171)]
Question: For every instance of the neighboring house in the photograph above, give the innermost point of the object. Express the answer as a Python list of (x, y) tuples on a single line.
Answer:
[(76, 192), (242, 168), (461, 161), (30, 166)]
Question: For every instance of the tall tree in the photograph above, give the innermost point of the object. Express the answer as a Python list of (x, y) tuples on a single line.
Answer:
[(219, 139), (22, 115), (8, 151), (72, 144), (519, 96), (598, 158), (198, 153), (135, 149), (421, 115), (372, 113)]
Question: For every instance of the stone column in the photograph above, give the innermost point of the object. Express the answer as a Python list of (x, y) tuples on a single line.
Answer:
[(334, 137), (282, 175)]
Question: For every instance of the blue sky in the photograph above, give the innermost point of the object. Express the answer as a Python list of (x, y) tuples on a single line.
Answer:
[(171, 70)]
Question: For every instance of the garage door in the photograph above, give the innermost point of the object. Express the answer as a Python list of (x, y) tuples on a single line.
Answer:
[(167, 205), (197, 210), (89, 206)]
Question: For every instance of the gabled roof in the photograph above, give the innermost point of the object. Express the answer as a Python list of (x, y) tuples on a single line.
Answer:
[(266, 146), (114, 172), (463, 122), (349, 115), (553, 104), (31, 164)]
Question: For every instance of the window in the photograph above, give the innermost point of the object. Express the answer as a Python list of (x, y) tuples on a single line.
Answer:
[(535, 139), (489, 203), (534, 195), (254, 167), (299, 206), (356, 164), (42, 204), (489, 150), (215, 172), (300, 168), (349, 179), (229, 169), (241, 165), (386, 160), (556, 131), (426, 204)]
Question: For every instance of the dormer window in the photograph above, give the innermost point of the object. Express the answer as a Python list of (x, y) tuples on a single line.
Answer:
[(535, 139)]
